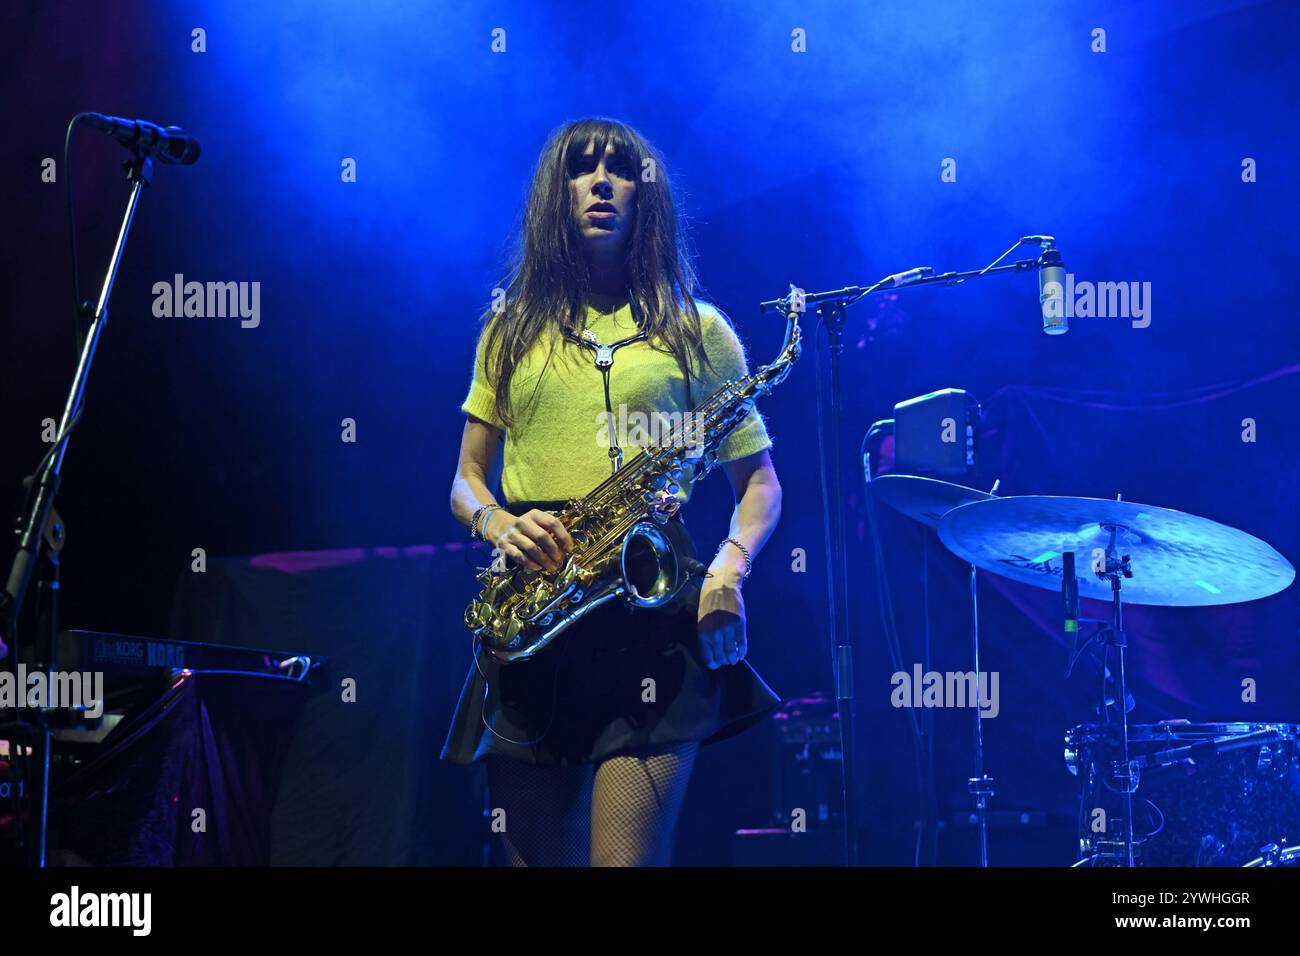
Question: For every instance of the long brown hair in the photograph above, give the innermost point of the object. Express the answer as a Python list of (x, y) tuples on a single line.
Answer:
[(548, 277)]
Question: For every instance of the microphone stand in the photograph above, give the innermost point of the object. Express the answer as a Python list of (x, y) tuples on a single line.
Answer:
[(831, 307), (35, 520)]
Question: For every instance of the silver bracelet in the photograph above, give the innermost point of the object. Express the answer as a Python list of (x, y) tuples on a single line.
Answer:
[(749, 565)]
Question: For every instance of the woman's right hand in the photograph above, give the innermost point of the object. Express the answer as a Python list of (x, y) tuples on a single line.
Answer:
[(536, 540)]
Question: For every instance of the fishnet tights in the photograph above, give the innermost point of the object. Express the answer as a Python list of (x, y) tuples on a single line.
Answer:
[(621, 812)]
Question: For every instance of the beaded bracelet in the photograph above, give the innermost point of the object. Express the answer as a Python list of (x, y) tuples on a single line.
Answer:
[(749, 565), (480, 517)]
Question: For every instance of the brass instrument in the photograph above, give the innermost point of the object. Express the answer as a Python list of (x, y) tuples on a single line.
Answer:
[(619, 549)]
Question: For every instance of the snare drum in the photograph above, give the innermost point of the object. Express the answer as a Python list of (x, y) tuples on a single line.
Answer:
[(1211, 810)]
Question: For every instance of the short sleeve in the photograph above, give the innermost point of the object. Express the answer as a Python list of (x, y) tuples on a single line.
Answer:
[(727, 355), (481, 402)]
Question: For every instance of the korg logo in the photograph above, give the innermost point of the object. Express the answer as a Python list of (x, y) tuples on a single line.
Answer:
[(119, 652), (162, 655)]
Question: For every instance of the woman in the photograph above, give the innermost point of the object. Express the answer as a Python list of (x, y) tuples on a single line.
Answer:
[(590, 742)]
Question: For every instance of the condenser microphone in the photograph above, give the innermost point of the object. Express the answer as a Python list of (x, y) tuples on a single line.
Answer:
[(1051, 288), (167, 144), (1070, 595)]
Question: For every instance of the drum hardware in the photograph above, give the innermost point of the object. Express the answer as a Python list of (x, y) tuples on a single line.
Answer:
[(1245, 796), (1210, 748), (1185, 561), (1115, 569), (981, 785), (1274, 855), (928, 500)]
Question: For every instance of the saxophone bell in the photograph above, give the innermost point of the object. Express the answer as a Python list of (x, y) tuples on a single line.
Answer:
[(649, 565)]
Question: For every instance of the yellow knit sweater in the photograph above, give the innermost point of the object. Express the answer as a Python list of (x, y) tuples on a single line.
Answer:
[(559, 445)]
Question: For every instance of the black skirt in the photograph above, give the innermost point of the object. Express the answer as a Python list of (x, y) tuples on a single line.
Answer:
[(621, 679)]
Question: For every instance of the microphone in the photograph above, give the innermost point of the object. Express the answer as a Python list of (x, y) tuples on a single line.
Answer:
[(1216, 747), (694, 568), (1070, 594), (1051, 288), (168, 144)]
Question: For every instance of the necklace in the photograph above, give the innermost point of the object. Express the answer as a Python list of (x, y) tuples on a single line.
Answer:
[(604, 360)]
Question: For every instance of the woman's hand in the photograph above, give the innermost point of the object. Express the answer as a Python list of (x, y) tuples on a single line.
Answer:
[(537, 540), (721, 624)]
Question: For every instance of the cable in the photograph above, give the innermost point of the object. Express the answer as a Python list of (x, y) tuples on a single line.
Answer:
[(1159, 826), (885, 592), (1077, 651), (487, 689), (77, 309), (72, 231)]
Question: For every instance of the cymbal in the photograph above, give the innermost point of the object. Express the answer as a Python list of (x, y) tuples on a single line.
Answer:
[(926, 500), (1178, 560)]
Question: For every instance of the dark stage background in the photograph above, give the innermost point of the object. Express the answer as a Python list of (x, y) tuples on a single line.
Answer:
[(820, 168)]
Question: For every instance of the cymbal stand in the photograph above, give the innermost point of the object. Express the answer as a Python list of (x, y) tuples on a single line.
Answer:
[(1114, 569), (980, 785)]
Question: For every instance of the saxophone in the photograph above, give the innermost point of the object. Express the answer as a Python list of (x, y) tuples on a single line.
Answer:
[(619, 549)]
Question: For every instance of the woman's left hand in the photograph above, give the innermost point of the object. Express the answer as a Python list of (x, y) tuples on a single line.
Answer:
[(721, 624)]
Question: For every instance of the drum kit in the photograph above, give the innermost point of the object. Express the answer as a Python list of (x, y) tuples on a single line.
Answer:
[(1138, 803)]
